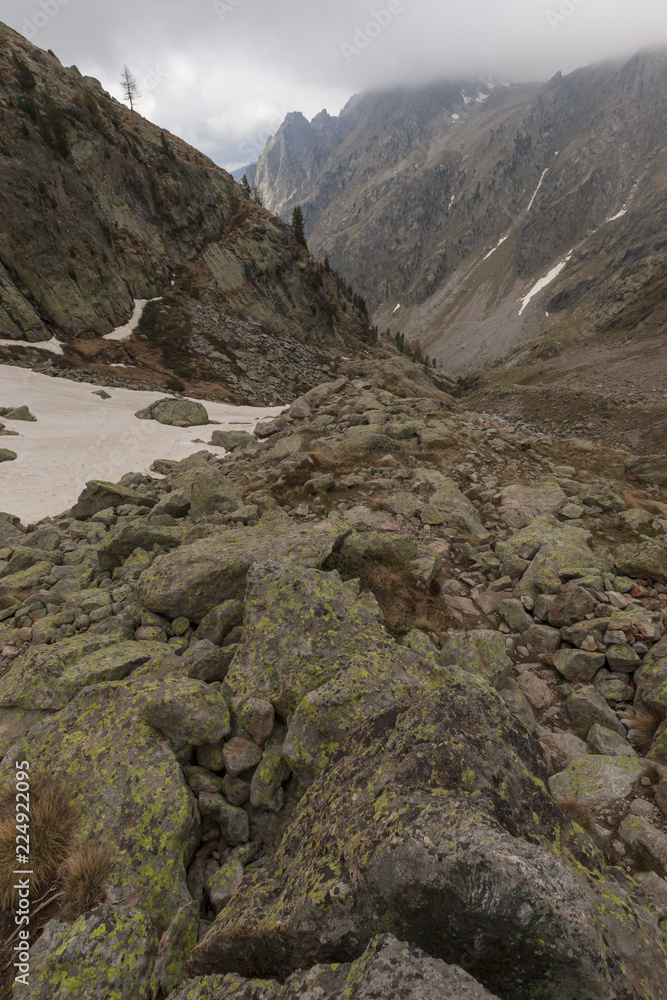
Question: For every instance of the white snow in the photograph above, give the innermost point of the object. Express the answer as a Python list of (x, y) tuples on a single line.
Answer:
[(123, 332), (456, 116), (397, 307), (78, 436), (451, 201), (498, 244), (466, 100), (537, 189), (619, 215), (52, 345), (482, 97), (543, 282)]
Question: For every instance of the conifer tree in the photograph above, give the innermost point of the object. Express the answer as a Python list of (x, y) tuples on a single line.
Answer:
[(298, 226)]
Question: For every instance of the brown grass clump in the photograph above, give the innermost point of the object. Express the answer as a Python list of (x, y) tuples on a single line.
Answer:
[(645, 723), (391, 579), (577, 813), (53, 820), (82, 878)]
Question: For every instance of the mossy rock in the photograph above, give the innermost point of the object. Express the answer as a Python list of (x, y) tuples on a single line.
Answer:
[(451, 502), (555, 551), (26, 579), (481, 652), (433, 823), (109, 952), (176, 412), (129, 789), (99, 495), (122, 541), (647, 559), (314, 648), (49, 676), (196, 578), (598, 781), (388, 968)]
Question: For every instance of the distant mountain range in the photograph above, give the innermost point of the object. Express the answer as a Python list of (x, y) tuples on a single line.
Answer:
[(476, 215)]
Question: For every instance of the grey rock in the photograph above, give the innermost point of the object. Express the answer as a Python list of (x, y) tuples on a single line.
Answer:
[(577, 664), (604, 741), (175, 412), (598, 781)]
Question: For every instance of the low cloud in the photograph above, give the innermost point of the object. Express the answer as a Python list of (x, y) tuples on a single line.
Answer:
[(223, 73)]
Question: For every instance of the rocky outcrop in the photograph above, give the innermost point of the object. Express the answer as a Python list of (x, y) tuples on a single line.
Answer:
[(147, 218), (338, 720)]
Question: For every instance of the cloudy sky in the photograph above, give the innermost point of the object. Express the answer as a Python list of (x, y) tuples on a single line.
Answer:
[(223, 73)]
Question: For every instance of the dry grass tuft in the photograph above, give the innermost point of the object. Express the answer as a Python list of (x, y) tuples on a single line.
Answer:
[(82, 878), (577, 813), (53, 821), (645, 724), (391, 579)]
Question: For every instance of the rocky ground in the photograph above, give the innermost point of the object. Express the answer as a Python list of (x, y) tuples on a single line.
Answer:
[(373, 705)]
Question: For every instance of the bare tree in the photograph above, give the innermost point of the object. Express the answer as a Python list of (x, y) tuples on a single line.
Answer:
[(130, 87)]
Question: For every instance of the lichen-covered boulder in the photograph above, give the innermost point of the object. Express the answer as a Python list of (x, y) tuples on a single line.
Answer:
[(647, 559), (108, 952), (649, 468), (554, 550), (481, 652), (449, 500), (26, 579), (49, 676), (388, 969), (314, 648), (99, 495), (597, 781), (531, 501), (129, 788), (434, 824), (174, 950), (175, 412), (122, 541), (186, 710), (651, 677), (197, 577)]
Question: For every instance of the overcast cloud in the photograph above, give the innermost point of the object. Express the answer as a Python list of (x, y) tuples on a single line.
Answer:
[(223, 73)]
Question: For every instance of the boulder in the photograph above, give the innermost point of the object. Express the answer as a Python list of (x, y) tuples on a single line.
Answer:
[(481, 652), (585, 707), (387, 969), (50, 676), (577, 664), (448, 499), (174, 950), (606, 741), (646, 559), (440, 798), (175, 412), (99, 495), (231, 439), (554, 551), (571, 604), (185, 710), (129, 789), (108, 952), (649, 468), (651, 677), (122, 541), (17, 413), (196, 578), (531, 501), (313, 647), (7, 455), (598, 781)]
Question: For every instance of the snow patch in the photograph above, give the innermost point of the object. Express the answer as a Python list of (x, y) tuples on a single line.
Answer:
[(397, 307), (466, 100), (532, 200), (543, 282), (498, 244), (78, 437), (482, 97), (126, 331), (456, 117), (53, 345)]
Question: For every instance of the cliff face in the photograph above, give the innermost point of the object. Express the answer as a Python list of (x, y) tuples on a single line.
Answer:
[(422, 186), (99, 207)]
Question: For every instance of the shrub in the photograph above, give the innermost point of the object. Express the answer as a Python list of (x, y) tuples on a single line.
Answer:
[(53, 820), (82, 878)]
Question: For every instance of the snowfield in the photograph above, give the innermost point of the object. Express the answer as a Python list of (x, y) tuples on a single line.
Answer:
[(78, 436)]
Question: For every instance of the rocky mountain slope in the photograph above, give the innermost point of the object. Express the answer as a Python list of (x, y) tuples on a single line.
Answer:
[(99, 208), (372, 705), (450, 207)]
